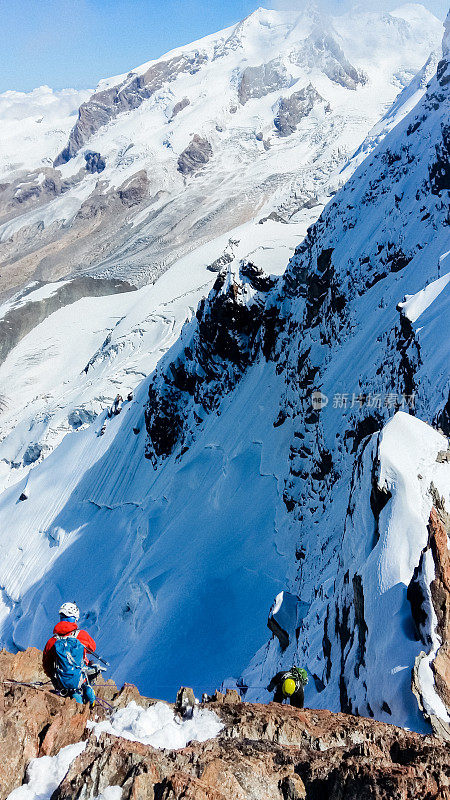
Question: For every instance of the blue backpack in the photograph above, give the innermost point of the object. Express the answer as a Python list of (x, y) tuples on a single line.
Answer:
[(69, 663)]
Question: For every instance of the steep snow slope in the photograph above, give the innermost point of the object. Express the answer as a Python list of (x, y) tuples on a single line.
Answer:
[(44, 392), (246, 123), (69, 367), (248, 488)]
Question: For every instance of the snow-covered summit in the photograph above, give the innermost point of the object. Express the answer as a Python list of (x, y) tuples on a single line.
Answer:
[(249, 124)]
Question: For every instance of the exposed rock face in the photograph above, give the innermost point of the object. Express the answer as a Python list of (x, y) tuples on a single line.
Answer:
[(33, 722), (259, 81), (107, 104), (430, 605), (195, 156), (219, 351), (30, 189), (135, 189), (179, 106), (94, 162), (264, 752), (320, 50), (103, 211), (439, 530), (269, 752), (24, 666), (293, 109)]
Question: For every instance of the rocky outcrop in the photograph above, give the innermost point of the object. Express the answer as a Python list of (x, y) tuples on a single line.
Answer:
[(260, 81), (35, 721), (195, 156), (430, 606), (439, 530), (106, 104), (269, 752), (23, 666), (29, 190), (291, 110), (219, 351), (134, 190), (180, 106), (94, 162)]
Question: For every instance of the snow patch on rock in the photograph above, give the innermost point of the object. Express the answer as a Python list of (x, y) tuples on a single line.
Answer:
[(159, 727), (46, 773)]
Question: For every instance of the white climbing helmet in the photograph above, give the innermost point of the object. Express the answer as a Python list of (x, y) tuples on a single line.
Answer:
[(70, 610)]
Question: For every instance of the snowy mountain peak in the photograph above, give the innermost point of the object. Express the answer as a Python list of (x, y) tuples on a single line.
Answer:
[(267, 111), (446, 39)]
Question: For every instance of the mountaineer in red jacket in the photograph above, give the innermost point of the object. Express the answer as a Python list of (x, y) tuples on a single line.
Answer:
[(65, 659)]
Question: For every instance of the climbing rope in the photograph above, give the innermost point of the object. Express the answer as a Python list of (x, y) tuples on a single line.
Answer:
[(107, 706), (35, 685), (40, 686)]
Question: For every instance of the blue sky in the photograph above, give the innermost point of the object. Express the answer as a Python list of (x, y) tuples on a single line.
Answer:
[(74, 43)]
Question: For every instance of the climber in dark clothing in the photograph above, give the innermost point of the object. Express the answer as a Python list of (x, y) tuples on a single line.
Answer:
[(289, 685), (115, 408)]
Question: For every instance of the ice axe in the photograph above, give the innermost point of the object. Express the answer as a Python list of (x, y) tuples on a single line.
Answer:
[(91, 652)]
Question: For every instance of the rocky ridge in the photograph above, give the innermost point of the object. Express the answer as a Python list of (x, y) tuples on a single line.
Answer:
[(380, 226), (262, 752)]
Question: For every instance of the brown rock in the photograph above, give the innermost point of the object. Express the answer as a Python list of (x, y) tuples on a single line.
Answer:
[(135, 189), (264, 752), (34, 722), (270, 752), (438, 526), (128, 693), (195, 155), (232, 697), (441, 668), (25, 666)]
